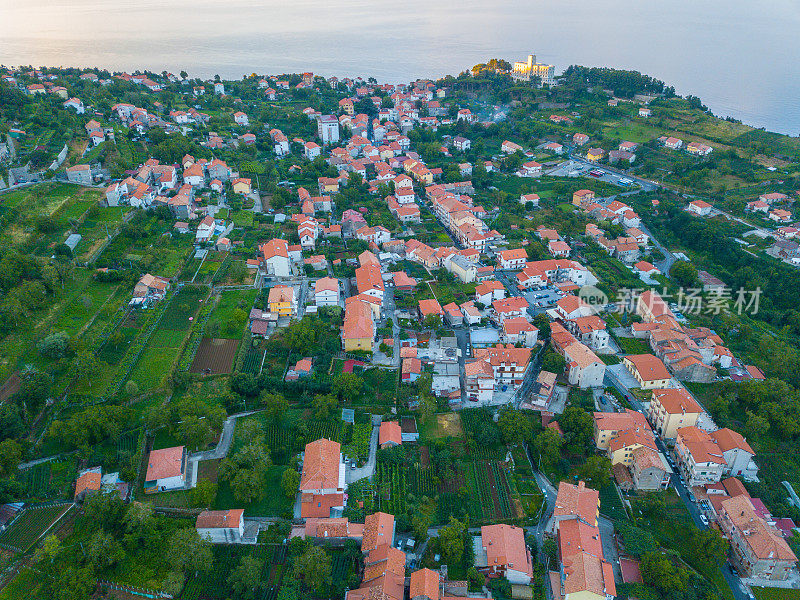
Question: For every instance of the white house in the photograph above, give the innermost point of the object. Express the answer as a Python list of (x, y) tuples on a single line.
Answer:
[(311, 150), (326, 292), (699, 207), (166, 470), (584, 368), (275, 258), (221, 526)]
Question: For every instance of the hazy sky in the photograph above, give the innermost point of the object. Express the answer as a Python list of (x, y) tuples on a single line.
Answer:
[(739, 56)]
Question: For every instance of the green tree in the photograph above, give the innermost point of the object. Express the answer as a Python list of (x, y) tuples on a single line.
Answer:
[(314, 568), (247, 471), (347, 386), (709, 547), (275, 406), (290, 482), (245, 579), (324, 405), (54, 345), (514, 425), (451, 540), (203, 494), (660, 572), (547, 446), (684, 273), (186, 551), (596, 471), (578, 428), (10, 456), (86, 365)]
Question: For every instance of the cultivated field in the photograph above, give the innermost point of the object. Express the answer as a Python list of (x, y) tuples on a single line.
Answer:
[(214, 356)]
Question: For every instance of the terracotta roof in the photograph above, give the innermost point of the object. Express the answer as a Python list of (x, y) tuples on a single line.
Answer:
[(390, 430), (677, 401), (581, 355), (575, 535), (728, 439), (321, 465), (88, 481), (605, 421), (326, 284), (649, 367), (430, 307), (424, 583), (505, 545), (378, 531), (585, 572), (700, 445), (281, 293), (578, 501), (274, 247), (165, 463), (358, 322), (219, 519), (764, 541)]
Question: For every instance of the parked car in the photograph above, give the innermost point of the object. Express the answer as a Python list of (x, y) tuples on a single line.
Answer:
[(704, 520)]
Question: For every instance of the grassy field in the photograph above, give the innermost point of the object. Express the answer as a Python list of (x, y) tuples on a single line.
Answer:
[(274, 504), (154, 364), (229, 317), (775, 593)]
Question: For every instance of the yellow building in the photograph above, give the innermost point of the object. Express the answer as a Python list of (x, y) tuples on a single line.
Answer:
[(622, 447), (241, 186), (282, 301), (608, 425), (358, 330), (672, 409), (595, 154), (648, 370)]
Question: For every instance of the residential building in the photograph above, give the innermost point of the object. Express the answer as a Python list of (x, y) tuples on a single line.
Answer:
[(322, 483), (648, 370), (504, 553), (672, 409), (358, 329), (166, 470), (699, 459), (758, 549), (575, 501), (390, 434), (274, 258), (608, 426), (328, 129), (737, 453), (326, 292), (221, 526), (699, 207), (584, 368), (283, 301), (80, 174), (512, 259)]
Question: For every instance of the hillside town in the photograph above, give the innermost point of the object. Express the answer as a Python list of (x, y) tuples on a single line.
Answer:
[(492, 336)]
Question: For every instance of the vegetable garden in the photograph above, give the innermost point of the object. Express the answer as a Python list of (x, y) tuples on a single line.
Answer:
[(30, 525)]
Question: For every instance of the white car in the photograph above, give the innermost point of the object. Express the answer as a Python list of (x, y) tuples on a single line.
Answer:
[(704, 519)]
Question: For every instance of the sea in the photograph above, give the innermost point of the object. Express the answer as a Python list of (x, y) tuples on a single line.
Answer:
[(741, 57)]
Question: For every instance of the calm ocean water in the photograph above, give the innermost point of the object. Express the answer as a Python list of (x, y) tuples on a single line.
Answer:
[(739, 56)]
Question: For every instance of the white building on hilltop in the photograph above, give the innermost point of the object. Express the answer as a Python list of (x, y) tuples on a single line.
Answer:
[(525, 71)]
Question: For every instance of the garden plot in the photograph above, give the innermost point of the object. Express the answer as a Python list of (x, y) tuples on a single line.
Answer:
[(214, 356), (30, 526)]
